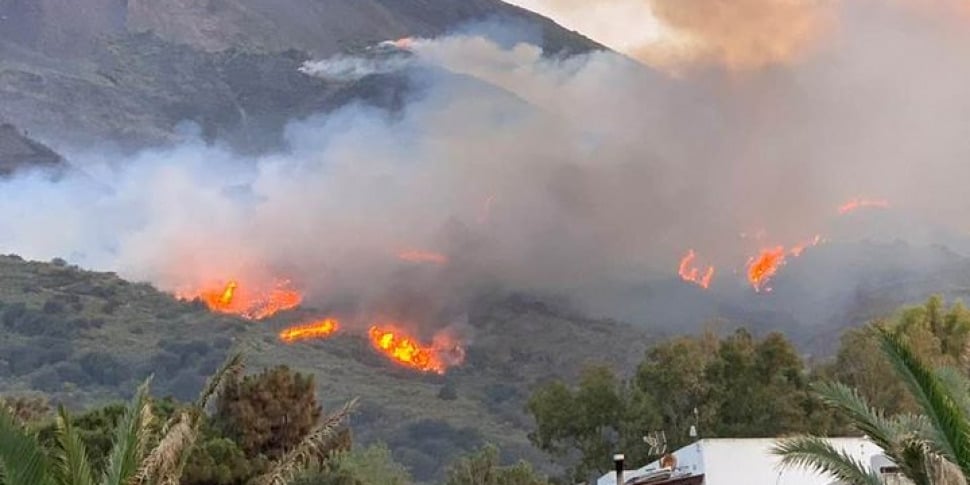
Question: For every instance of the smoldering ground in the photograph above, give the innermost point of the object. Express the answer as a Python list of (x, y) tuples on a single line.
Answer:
[(557, 176)]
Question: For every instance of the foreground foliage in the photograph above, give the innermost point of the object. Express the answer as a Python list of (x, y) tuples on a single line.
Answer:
[(142, 453), (734, 386), (930, 448)]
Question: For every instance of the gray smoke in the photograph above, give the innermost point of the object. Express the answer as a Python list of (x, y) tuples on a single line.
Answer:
[(548, 175)]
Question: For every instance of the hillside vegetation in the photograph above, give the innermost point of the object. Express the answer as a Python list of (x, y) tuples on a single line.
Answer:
[(86, 338)]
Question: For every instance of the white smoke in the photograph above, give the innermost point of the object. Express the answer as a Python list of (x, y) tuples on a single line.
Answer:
[(560, 176)]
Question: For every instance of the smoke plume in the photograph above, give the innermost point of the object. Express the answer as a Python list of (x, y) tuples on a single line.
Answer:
[(509, 170)]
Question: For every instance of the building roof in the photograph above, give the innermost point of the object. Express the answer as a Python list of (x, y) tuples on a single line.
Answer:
[(732, 461)]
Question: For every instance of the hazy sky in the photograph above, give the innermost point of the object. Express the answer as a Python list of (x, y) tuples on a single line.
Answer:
[(624, 25)]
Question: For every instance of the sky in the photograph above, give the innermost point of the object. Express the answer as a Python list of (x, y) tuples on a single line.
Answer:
[(623, 25)]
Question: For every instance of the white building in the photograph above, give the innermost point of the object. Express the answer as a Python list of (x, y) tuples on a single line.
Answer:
[(747, 461)]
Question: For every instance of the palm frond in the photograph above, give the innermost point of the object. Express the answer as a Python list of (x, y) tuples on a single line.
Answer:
[(316, 447), (819, 455), (232, 367), (912, 456), (72, 466), (22, 460), (957, 386), (130, 439), (944, 472), (868, 420), (163, 465), (949, 422)]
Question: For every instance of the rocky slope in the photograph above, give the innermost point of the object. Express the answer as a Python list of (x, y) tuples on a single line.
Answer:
[(17, 151), (130, 70)]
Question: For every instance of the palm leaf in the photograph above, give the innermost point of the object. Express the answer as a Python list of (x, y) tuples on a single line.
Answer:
[(912, 456), (72, 464), (957, 386), (232, 367), (316, 447), (131, 437), (22, 460), (870, 421), (819, 455), (165, 462), (901, 438), (949, 424)]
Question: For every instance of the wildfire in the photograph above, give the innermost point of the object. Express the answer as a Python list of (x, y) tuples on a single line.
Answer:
[(860, 203), (768, 262), (407, 351), (415, 256), (234, 299), (690, 273), (317, 330), (764, 266)]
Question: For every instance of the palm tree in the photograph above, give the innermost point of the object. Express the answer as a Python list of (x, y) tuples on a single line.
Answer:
[(23, 461), (314, 450), (932, 448), (165, 463)]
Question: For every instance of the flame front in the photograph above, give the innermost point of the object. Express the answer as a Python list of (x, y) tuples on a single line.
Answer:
[(764, 266), (317, 330), (691, 274), (236, 299), (861, 203), (408, 352), (416, 256)]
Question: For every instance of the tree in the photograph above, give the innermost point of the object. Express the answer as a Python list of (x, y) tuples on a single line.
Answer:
[(938, 335), (269, 413), (483, 468), (930, 448), (26, 409), (732, 386), (325, 439), (587, 425), (131, 461), (372, 465)]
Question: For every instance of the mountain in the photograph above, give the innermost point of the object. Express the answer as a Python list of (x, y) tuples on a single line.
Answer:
[(129, 71), (18, 151), (85, 338)]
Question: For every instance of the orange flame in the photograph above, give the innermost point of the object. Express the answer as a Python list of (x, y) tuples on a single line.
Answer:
[(317, 330), (233, 299), (408, 352), (416, 256), (764, 266), (689, 273), (860, 203)]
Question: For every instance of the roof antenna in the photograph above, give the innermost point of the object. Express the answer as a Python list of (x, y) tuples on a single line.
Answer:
[(657, 441)]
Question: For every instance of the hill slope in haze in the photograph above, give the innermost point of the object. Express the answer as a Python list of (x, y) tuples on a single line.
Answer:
[(85, 338), (18, 151), (130, 72)]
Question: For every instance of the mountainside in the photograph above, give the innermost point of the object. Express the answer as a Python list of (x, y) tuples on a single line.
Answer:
[(65, 28), (18, 151), (86, 338), (130, 71)]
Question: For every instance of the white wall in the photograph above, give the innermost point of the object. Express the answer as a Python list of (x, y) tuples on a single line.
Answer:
[(749, 462)]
